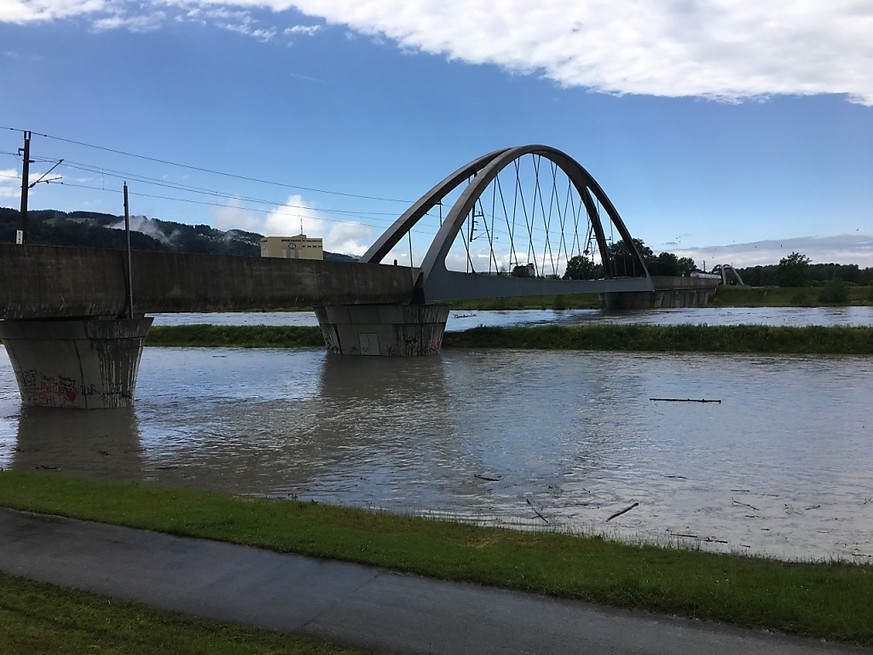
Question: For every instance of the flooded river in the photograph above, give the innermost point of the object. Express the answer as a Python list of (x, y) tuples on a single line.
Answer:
[(779, 465)]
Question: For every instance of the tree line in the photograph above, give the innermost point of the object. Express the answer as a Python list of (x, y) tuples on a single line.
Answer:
[(794, 270), (624, 263)]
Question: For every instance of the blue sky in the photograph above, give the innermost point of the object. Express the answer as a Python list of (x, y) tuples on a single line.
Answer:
[(725, 131)]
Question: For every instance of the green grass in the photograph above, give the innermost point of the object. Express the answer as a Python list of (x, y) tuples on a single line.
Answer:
[(655, 338), (787, 296), (40, 618), (827, 600), (243, 336), (671, 338)]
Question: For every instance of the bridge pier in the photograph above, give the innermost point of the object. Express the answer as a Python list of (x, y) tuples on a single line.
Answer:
[(388, 330), (86, 363)]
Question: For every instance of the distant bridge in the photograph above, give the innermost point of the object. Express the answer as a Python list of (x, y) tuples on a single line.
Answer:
[(75, 318)]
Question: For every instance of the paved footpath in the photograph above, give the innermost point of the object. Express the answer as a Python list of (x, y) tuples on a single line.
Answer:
[(345, 603)]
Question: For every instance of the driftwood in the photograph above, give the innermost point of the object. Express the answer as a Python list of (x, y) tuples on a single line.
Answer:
[(486, 478), (685, 400), (736, 502), (617, 514), (535, 510)]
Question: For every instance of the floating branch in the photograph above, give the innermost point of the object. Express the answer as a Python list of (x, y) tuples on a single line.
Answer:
[(535, 510), (617, 514), (685, 400), (486, 478), (736, 502)]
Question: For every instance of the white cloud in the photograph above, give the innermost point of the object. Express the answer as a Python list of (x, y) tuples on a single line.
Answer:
[(726, 49), (304, 30), (10, 183), (346, 237), (843, 249), (140, 23), (722, 49), (32, 11)]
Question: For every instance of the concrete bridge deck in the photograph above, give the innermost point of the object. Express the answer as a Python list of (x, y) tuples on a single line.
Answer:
[(63, 282)]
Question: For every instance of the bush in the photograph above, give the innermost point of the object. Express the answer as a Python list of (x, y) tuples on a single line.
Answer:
[(835, 292)]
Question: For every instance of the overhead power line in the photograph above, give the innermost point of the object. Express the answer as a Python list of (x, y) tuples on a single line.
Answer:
[(125, 175), (210, 171)]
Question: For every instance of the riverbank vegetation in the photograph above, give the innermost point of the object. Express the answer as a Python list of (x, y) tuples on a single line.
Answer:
[(831, 293), (49, 620), (671, 338), (235, 336), (651, 338), (827, 600), (835, 293)]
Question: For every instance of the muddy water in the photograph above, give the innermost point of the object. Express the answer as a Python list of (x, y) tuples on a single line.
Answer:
[(780, 466)]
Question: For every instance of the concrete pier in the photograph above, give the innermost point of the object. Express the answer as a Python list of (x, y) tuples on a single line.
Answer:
[(88, 363), (388, 330)]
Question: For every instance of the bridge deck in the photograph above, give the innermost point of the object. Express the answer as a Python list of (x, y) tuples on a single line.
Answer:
[(56, 282)]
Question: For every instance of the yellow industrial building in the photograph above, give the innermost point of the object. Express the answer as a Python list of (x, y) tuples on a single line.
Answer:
[(299, 247)]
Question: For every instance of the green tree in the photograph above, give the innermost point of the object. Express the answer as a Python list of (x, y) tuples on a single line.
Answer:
[(579, 267), (686, 266), (793, 270), (623, 260)]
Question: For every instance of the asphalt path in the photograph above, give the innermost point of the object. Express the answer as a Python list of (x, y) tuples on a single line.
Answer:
[(367, 607)]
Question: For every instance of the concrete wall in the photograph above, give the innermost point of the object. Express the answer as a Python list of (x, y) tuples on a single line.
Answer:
[(670, 292), (386, 330), (51, 281)]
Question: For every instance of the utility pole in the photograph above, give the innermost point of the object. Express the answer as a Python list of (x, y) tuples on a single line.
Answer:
[(129, 265), (21, 238)]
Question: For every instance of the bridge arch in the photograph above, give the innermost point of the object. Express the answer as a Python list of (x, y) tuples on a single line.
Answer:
[(436, 282)]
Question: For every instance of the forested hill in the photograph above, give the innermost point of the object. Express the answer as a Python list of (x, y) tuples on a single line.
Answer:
[(95, 230)]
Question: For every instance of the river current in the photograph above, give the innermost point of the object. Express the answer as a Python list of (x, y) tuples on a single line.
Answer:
[(777, 464)]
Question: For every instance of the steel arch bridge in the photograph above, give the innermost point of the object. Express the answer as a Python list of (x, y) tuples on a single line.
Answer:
[(547, 209)]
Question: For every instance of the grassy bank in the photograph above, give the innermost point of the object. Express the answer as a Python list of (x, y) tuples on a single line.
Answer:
[(827, 295), (725, 296), (672, 338), (655, 338), (829, 600), (239, 336), (40, 618)]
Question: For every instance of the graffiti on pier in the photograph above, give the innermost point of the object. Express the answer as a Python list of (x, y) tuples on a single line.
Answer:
[(51, 391)]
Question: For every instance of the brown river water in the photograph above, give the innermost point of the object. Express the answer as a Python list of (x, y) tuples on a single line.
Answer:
[(782, 466)]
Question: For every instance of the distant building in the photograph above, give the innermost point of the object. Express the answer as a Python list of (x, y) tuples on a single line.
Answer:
[(299, 247)]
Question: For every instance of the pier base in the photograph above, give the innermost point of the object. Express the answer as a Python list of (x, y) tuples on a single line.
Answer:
[(387, 330), (79, 363)]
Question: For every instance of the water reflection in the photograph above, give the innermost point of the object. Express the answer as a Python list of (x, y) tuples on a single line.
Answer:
[(96, 444)]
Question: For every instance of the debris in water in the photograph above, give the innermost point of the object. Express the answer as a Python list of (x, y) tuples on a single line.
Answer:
[(617, 514)]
